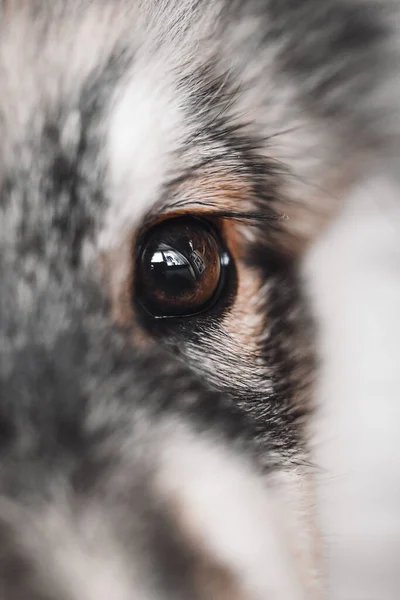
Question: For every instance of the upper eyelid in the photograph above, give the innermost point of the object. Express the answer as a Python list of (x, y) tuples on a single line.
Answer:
[(249, 218)]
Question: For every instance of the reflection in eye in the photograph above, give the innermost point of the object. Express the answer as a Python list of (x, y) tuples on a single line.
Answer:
[(197, 262), (180, 268), (169, 258), (172, 257), (158, 257)]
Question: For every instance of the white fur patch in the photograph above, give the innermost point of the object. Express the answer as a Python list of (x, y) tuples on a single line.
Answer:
[(355, 277), (145, 130), (235, 517), (78, 556)]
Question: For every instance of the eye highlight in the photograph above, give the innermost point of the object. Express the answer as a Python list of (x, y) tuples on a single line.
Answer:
[(181, 268)]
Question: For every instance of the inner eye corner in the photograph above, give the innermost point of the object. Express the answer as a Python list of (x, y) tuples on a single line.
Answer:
[(182, 265)]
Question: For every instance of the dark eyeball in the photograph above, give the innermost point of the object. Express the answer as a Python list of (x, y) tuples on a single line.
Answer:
[(180, 268)]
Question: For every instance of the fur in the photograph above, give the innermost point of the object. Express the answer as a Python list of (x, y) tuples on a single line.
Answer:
[(172, 458)]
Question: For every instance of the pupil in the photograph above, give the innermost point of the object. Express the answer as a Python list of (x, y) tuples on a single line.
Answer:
[(179, 269)]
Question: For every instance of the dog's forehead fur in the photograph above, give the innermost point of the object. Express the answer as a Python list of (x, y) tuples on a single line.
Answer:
[(107, 92)]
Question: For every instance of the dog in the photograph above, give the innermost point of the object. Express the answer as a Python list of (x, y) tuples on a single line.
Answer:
[(168, 169)]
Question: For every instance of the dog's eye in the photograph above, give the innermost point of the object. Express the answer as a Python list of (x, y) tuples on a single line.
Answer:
[(180, 267)]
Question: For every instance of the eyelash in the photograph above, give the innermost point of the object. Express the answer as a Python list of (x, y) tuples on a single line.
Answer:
[(251, 219)]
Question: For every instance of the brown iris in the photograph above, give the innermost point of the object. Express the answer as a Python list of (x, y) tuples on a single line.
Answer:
[(180, 267)]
